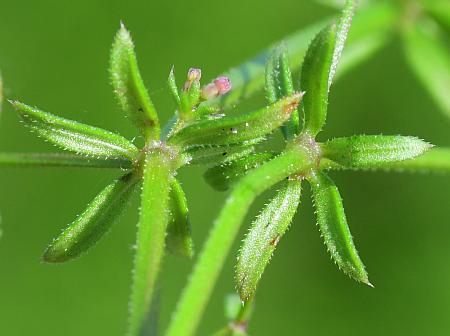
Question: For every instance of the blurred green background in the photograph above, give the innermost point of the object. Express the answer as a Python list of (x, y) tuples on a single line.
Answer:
[(54, 54)]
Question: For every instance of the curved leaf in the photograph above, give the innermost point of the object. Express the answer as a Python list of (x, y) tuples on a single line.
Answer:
[(129, 86), (263, 237), (74, 136), (334, 228), (93, 223), (178, 239)]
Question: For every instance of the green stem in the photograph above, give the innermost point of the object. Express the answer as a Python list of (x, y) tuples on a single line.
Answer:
[(201, 283), (59, 160), (151, 234)]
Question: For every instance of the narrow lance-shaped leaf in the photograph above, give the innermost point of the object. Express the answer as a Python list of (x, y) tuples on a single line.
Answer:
[(279, 85), (129, 86), (60, 160), (74, 136), (152, 228), (178, 239), (319, 67), (434, 160), (263, 237), (231, 130), (93, 223), (222, 176), (334, 228), (429, 58), (372, 151)]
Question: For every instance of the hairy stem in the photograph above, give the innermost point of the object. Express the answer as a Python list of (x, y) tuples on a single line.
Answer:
[(151, 234), (201, 283)]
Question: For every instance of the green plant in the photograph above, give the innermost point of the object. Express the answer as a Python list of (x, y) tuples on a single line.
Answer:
[(199, 133)]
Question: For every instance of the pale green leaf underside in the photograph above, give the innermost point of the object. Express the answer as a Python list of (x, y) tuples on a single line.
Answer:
[(93, 223), (334, 228), (429, 58), (263, 237), (372, 151), (74, 136)]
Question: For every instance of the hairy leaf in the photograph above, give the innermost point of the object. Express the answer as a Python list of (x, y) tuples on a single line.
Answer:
[(178, 239), (60, 160), (430, 60), (372, 151), (74, 136), (93, 223), (279, 85), (263, 237), (319, 67), (222, 176), (232, 130), (129, 86), (172, 84), (334, 228)]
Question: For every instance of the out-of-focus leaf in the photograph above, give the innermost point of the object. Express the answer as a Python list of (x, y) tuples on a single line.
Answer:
[(232, 130), (279, 85), (372, 151), (319, 67), (178, 239), (222, 176), (334, 228), (74, 136), (129, 86), (93, 223), (263, 237), (440, 10), (430, 60)]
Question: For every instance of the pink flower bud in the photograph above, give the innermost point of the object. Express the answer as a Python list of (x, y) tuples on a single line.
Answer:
[(223, 85), (193, 75), (218, 87)]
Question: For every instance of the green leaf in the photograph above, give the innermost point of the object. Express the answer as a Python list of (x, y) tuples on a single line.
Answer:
[(60, 160), (334, 228), (93, 223), (172, 84), (319, 67), (209, 154), (429, 58), (232, 130), (372, 151), (279, 85), (263, 237), (222, 176), (178, 239), (152, 228), (74, 136), (129, 86)]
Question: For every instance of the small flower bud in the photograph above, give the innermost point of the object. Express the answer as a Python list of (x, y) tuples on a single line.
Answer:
[(218, 87), (193, 75)]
